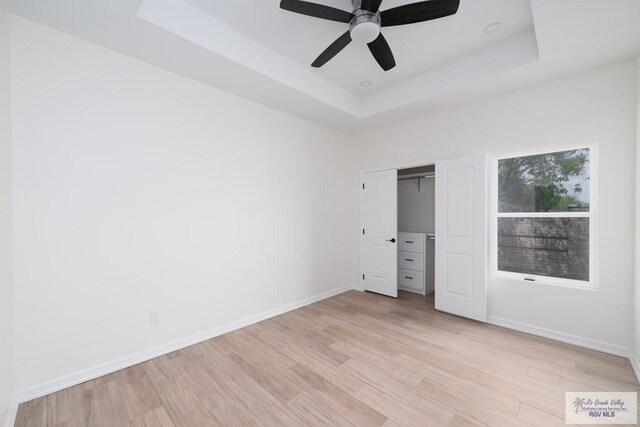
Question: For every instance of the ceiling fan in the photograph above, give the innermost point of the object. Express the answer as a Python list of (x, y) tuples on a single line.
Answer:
[(365, 22)]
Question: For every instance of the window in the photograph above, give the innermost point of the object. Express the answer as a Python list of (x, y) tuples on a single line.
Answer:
[(544, 229)]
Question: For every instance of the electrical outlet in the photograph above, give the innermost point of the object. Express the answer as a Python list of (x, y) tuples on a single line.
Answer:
[(155, 317)]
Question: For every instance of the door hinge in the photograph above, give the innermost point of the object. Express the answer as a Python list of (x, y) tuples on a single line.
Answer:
[(363, 185), (363, 277), (363, 231)]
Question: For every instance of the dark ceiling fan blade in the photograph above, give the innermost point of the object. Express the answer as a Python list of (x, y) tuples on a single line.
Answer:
[(418, 12), (382, 53), (370, 5), (316, 10), (332, 50)]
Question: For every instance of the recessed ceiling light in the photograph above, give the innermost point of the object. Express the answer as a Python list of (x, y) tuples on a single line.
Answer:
[(491, 28), (365, 83)]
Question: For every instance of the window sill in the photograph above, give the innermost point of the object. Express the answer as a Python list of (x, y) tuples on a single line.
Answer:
[(546, 281)]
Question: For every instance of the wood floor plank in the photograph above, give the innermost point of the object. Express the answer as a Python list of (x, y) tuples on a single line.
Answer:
[(105, 405), (236, 382), (337, 399), (437, 410), (463, 420), (158, 418), (385, 364), (356, 359), (315, 413), (32, 413), (539, 418), (395, 409)]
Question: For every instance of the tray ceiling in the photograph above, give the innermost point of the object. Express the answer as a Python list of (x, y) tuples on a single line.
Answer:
[(254, 49)]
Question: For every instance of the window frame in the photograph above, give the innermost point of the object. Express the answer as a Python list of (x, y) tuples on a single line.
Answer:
[(534, 279)]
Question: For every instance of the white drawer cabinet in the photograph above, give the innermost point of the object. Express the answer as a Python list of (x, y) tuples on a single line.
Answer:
[(411, 242), (412, 261), (410, 280)]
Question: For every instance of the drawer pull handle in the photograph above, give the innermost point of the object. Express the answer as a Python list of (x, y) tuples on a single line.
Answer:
[(408, 241), (407, 259), (408, 277)]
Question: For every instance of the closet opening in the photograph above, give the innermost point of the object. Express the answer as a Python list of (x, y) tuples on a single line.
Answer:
[(416, 230), (424, 234)]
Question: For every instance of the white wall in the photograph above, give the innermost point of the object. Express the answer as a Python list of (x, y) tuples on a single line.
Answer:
[(636, 293), (137, 189), (416, 210), (598, 105), (6, 279)]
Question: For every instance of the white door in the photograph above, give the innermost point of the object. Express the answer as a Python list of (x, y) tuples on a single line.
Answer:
[(379, 217), (461, 237)]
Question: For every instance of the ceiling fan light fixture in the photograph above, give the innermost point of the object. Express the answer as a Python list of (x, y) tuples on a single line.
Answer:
[(365, 32)]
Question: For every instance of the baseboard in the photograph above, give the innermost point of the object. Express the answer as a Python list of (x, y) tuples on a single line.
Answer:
[(635, 364), (10, 420), (614, 349), (133, 359)]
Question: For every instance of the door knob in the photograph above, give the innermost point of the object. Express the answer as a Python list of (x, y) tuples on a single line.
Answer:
[(392, 240)]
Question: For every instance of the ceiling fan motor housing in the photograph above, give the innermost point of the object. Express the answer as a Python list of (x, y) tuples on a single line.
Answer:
[(365, 26)]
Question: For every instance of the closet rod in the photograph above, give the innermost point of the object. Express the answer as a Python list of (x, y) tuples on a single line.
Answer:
[(416, 177)]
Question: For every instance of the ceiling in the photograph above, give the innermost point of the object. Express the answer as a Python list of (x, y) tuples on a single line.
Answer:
[(417, 48), (260, 52)]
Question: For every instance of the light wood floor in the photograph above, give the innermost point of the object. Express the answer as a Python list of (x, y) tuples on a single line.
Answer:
[(354, 359)]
